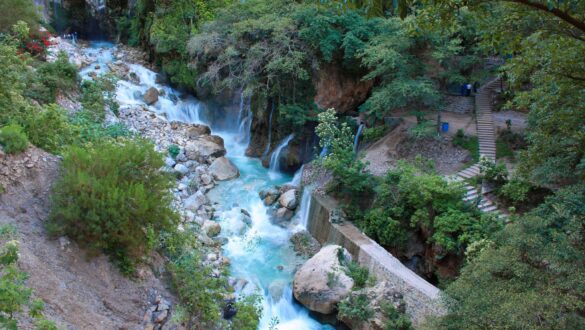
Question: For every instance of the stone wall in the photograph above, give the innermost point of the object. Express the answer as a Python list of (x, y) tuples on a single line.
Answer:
[(422, 299), (459, 104)]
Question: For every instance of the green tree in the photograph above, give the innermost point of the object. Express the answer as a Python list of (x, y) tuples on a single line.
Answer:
[(350, 178), (531, 277), (404, 82), (546, 73)]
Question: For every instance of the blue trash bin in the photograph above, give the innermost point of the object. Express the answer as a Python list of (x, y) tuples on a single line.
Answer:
[(444, 127)]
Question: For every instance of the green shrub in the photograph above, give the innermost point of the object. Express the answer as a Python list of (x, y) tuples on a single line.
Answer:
[(13, 139), (515, 190), (249, 310), (396, 319), (50, 129), (113, 197), (17, 10), (15, 296), (492, 172), (174, 150), (359, 274), (97, 96), (198, 290), (374, 133), (356, 307), (51, 78)]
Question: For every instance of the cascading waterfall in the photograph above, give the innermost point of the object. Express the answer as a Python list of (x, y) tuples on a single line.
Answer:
[(275, 157), (305, 207), (269, 131), (324, 152), (244, 120), (260, 252), (356, 141), (296, 180)]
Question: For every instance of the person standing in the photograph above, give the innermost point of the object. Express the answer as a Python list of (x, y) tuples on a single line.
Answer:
[(468, 88)]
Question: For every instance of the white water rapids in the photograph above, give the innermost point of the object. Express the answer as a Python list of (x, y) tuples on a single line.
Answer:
[(261, 253)]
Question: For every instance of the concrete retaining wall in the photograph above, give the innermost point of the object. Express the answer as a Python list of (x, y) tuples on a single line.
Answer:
[(422, 299)]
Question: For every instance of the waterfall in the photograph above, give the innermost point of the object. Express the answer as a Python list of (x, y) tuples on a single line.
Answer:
[(244, 120), (260, 251), (296, 180), (356, 141), (274, 159), (324, 152), (269, 132), (305, 207)]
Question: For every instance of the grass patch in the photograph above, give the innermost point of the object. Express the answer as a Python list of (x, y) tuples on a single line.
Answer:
[(469, 143), (503, 149)]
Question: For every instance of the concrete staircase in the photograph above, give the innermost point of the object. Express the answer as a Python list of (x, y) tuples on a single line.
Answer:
[(487, 148)]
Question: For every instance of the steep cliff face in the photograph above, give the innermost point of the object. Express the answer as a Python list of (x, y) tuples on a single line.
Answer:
[(334, 88), (341, 90)]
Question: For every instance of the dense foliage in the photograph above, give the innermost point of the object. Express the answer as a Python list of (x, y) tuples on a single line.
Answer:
[(531, 276), (165, 27), (17, 10), (112, 197), (350, 178), (416, 197)]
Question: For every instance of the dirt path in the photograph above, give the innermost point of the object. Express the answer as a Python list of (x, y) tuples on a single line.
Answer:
[(383, 153)]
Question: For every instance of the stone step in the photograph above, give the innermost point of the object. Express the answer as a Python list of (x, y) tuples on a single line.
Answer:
[(489, 209), (466, 175)]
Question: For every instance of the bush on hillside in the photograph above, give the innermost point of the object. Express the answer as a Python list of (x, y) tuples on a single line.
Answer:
[(17, 10), (113, 197), (13, 139), (51, 78), (16, 297), (50, 129)]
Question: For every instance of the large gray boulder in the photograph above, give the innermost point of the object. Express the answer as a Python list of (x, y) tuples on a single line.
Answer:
[(321, 283), (151, 96), (196, 130), (195, 201), (289, 199), (223, 169), (203, 150)]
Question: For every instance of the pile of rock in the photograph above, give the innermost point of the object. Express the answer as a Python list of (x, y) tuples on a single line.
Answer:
[(158, 313), (284, 201), (304, 244)]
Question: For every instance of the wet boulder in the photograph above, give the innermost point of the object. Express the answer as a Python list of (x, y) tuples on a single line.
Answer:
[(181, 169), (269, 196), (223, 169), (195, 201), (289, 199), (211, 228), (196, 130), (320, 284), (203, 150), (151, 96), (283, 214)]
